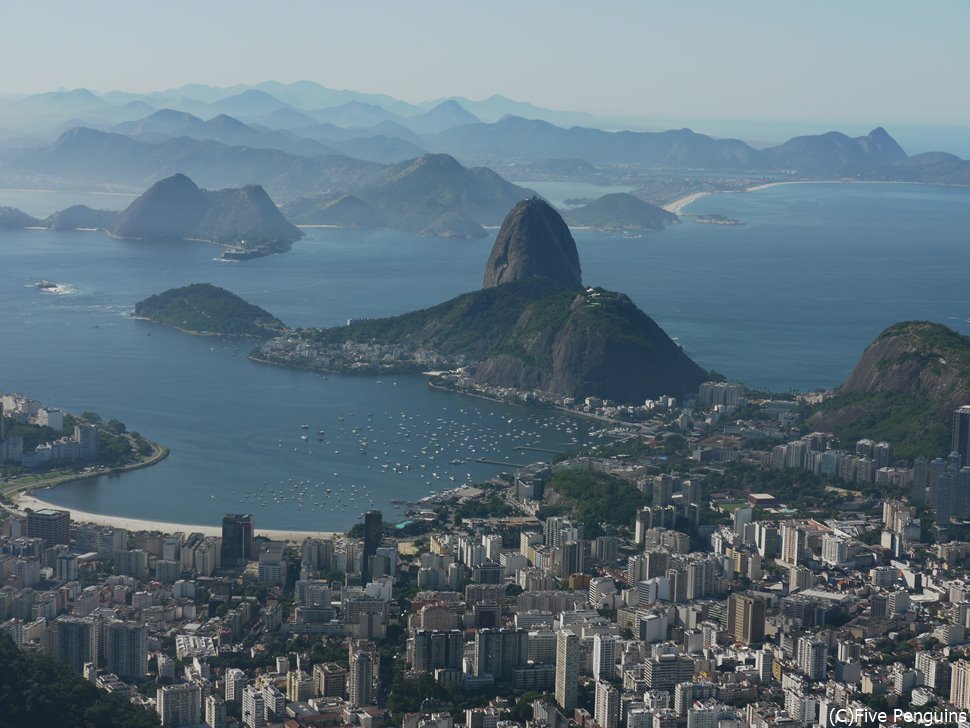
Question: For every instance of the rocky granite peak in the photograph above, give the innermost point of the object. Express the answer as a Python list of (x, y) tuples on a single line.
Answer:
[(534, 241)]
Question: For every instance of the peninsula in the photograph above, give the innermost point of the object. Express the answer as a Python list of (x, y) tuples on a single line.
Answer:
[(534, 327)]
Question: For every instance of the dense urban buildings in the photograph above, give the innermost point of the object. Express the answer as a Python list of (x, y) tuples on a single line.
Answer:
[(712, 591)]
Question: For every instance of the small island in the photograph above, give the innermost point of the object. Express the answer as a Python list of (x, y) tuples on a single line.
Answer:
[(207, 310), (713, 219), (618, 212)]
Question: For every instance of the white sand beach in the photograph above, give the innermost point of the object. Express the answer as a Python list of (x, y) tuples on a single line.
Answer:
[(677, 205), (140, 524)]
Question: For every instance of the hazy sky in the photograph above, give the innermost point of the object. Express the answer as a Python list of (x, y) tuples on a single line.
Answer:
[(859, 61)]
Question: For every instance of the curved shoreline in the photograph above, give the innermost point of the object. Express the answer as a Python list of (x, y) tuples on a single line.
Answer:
[(159, 453), (143, 524), (25, 497), (677, 206)]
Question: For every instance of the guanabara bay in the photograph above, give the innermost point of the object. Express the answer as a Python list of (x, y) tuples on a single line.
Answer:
[(564, 367)]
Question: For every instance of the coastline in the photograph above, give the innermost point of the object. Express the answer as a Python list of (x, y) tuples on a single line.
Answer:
[(25, 496), (27, 500), (677, 206)]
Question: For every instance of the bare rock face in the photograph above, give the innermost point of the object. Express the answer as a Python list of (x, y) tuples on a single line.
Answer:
[(534, 241)]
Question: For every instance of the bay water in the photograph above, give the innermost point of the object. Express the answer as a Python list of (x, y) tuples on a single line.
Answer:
[(788, 300)]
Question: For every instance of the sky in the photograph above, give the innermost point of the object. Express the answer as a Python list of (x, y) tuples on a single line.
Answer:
[(853, 61)]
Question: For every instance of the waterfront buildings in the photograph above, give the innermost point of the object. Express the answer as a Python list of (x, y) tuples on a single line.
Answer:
[(237, 539), (50, 525)]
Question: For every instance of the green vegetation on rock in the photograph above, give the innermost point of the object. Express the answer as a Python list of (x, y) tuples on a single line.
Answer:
[(903, 390), (535, 334), (202, 308), (596, 498)]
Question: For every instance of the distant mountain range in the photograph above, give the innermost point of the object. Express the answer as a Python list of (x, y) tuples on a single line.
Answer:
[(350, 153), (265, 100), (433, 195), (318, 159)]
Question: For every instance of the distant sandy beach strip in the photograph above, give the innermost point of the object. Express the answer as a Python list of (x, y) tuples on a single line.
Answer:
[(678, 205), (766, 185), (139, 524)]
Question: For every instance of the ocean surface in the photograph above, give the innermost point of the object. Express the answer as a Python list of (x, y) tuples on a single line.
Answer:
[(787, 301)]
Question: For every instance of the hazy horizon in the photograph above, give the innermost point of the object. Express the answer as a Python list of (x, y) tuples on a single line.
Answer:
[(861, 64)]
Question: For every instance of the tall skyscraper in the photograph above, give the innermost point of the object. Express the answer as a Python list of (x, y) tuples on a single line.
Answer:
[(77, 641), (793, 542), (360, 690), (960, 441), (373, 533), (235, 682), (253, 707), (127, 650), (746, 618), (237, 539), (607, 706), (812, 657), (52, 525), (604, 656), (960, 685), (567, 669), (499, 651)]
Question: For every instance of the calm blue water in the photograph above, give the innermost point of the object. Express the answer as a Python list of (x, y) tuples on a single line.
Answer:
[(787, 301)]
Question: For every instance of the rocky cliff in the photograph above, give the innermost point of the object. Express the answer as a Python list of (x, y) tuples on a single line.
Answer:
[(904, 389), (534, 241)]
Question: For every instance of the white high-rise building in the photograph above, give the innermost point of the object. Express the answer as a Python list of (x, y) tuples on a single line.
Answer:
[(960, 685), (235, 681), (567, 669), (215, 712), (253, 708), (793, 543), (607, 710), (835, 550), (604, 657), (179, 705), (813, 656)]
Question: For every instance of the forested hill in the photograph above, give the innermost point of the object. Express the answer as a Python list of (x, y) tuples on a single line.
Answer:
[(202, 308)]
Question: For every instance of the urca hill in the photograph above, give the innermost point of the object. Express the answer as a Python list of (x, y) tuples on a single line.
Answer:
[(533, 326), (244, 218), (904, 390)]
